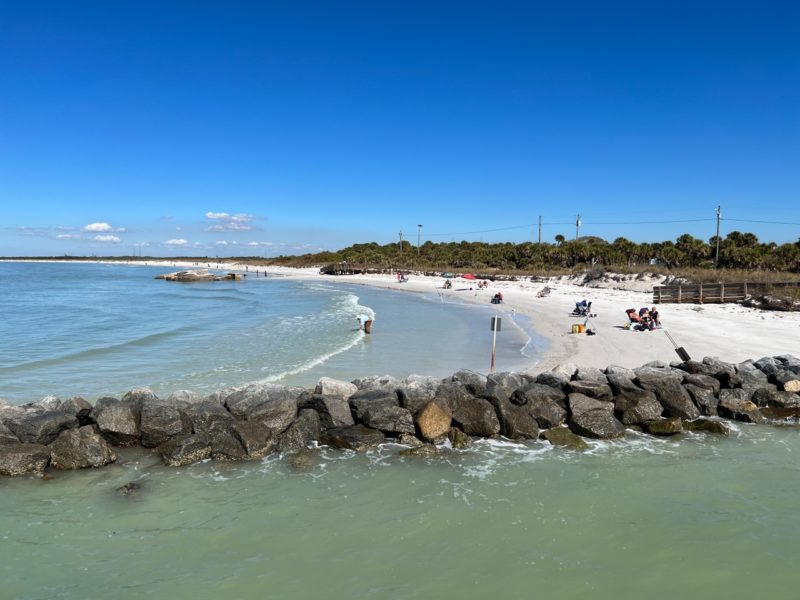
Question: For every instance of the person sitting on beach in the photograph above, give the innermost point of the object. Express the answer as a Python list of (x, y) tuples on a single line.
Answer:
[(654, 317), (497, 298), (633, 317)]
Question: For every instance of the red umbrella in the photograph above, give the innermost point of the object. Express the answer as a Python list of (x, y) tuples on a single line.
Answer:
[(468, 276)]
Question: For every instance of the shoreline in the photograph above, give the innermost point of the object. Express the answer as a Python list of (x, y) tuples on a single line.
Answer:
[(729, 331)]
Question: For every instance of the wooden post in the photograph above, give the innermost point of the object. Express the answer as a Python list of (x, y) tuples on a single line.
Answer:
[(680, 293), (659, 294), (745, 289), (701, 293), (722, 293)]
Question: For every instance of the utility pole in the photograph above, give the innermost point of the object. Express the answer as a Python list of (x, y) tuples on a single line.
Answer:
[(540, 230), (716, 256), (419, 237), (577, 226)]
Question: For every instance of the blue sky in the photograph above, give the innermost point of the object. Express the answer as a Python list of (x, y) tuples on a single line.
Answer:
[(268, 128)]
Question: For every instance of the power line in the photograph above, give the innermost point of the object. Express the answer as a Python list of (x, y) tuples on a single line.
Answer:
[(767, 222)]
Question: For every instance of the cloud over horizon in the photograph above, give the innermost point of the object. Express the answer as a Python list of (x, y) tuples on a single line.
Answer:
[(228, 222)]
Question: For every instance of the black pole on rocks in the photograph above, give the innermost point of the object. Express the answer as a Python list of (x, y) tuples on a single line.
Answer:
[(679, 349)]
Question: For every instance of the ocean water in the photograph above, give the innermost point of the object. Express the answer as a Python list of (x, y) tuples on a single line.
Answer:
[(95, 330), (697, 516)]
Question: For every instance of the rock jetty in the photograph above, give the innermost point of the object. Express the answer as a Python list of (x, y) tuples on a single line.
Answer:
[(563, 406), (198, 275)]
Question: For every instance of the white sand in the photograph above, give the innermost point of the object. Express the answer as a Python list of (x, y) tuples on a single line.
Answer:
[(729, 331)]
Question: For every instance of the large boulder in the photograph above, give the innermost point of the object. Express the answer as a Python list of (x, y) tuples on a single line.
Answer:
[(207, 416), (185, 450), (80, 449), (553, 379), (374, 399), (184, 398), (226, 443), (416, 391), (593, 418), (624, 372), (275, 406), (473, 382), (590, 374), (703, 381), (789, 362), (476, 416), (663, 427), (7, 436), (750, 377), (707, 426), (451, 395), (80, 408), (391, 420), (635, 406), (737, 404), (305, 429), (161, 421), (666, 384), (774, 398), (433, 421), (768, 365), (256, 439), (593, 388), (786, 380), (327, 386), (387, 382), (507, 383), (565, 370), (516, 422), (545, 404), (21, 459), (119, 422), (704, 398), (334, 411), (354, 437), (31, 426), (138, 396)]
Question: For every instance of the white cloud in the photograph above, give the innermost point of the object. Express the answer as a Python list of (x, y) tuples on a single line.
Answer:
[(176, 242), (221, 243), (229, 222), (97, 227), (111, 239), (68, 236), (259, 243)]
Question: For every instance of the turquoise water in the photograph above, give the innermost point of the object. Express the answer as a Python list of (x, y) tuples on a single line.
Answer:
[(701, 517), (696, 516), (94, 330)]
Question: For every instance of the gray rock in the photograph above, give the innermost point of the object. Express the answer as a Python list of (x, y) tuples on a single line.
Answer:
[(424, 451), (474, 383), (785, 380), (409, 440), (590, 374), (334, 411), (704, 399), (506, 382), (7, 436), (736, 404), (599, 390), (636, 406), (718, 366), (327, 386), (256, 439), (413, 395), (272, 405), (476, 416), (301, 433), (185, 450), (226, 444), (669, 392), (21, 459), (33, 427), (184, 398), (378, 381), (391, 420), (118, 421), (703, 381), (49, 403), (80, 449), (768, 365), (566, 371), (161, 421), (535, 392), (80, 408), (620, 372), (138, 396), (774, 398), (545, 404), (354, 437), (656, 364), (364, 400), (516, 422), (790, 363), (553, 379), (208, 416), (593, 418)]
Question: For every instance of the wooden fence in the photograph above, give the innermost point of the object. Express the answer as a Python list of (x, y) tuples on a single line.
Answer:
[(713, 293)]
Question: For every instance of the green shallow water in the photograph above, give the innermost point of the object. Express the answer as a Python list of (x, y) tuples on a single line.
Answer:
[(703, 517)]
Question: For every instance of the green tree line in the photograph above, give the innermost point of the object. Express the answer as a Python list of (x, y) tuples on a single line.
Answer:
[(736, 251)]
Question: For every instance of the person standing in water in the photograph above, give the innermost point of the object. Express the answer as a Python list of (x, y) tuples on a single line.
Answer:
[(365, 323)]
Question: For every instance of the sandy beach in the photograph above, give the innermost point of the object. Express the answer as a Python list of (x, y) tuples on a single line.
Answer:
[(728, 331)]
